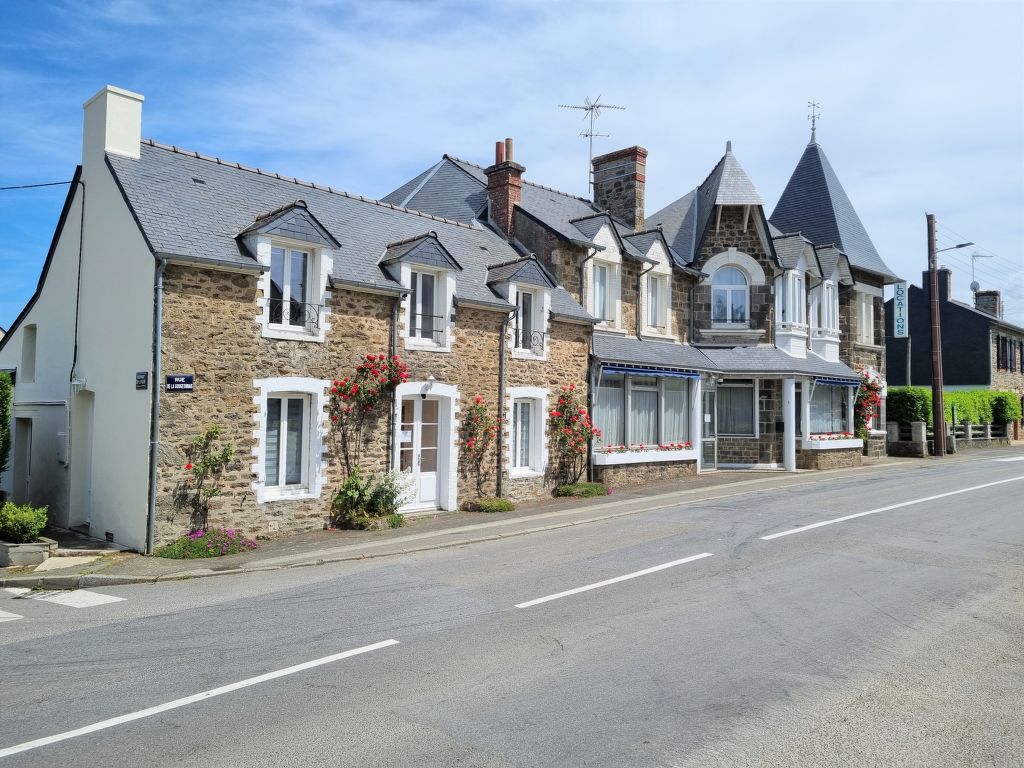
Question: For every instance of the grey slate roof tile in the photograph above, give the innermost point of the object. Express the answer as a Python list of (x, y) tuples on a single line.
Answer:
[(200, 222), (615, 348), (815, 204), (764, 359)]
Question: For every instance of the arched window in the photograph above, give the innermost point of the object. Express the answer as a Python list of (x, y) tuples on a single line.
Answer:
[(730, 296)]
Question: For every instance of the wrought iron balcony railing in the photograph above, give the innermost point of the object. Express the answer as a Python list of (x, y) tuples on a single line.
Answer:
[(533, 342), (430, 327), (297, 314)]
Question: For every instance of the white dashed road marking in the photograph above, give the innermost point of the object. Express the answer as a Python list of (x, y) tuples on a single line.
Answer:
[(1015, 458), (5, 616)]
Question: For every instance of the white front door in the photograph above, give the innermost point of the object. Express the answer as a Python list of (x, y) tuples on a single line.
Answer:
[(418, 448)]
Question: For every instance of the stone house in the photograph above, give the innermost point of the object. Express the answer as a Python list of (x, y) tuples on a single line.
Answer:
[(722, 340), (210, 292), (980, 350)]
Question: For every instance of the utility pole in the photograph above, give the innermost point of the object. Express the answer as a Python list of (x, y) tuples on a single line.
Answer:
[(938, 407)]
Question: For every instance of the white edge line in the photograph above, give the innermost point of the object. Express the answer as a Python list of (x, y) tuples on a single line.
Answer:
[(28, 745), (886, 509), (616, 580)]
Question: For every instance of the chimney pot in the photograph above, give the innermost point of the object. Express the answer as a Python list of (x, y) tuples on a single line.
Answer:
[(499, 152), (504, 187), (508, 150)]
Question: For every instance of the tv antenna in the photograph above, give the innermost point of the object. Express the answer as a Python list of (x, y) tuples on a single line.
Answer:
[(591, 109), (975, 285)]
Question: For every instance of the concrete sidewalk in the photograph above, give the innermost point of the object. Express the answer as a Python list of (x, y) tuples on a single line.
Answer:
[(435, 531)]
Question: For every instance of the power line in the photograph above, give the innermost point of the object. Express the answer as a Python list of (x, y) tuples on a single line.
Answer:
[(34, 186)]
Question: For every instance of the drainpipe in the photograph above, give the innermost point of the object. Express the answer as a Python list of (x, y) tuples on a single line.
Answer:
[(154, 416), (499, 489), (590, 406), (690, 304), (392, 351), (639, 293)]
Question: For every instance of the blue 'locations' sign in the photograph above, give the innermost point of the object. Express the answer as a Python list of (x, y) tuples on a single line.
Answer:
[(176, 383), (900, 320)]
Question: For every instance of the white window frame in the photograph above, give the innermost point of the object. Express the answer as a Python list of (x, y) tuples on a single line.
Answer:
[(314, 469), (664, 283), (729, 291), (541, 302), (792, 300), (865, 311), (318, 267), (754, 397), (629, 385), (444, 290), (537, 397)]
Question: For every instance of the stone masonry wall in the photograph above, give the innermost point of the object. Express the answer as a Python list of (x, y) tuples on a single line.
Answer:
[(851, 351), (730, 234), (210, 331), (635, 475), (832, 459), (1002, 379)]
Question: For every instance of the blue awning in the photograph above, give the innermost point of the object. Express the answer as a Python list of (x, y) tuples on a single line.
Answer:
[(650, 371), (830, 382)]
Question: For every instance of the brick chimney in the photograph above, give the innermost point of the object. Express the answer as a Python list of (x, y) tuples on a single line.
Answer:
[(504, 187), (945, 283), (619, 180), (988, 302)]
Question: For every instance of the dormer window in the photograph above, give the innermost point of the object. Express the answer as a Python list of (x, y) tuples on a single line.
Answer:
[(530, 327), (730, 297), (424, 301), (289, 300), (792, 298), (657, 314), (604, 292)]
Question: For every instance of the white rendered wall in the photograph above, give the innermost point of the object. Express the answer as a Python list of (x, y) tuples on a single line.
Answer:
[(44, 400), (115, 334)]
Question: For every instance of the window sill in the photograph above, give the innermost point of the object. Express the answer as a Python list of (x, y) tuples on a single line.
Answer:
[(521, 473), (831, 445), (609, 328), (868, 345), (427, 346), (603, 459), (295, 494), (650, 335), (715, 326), (825, 333), (294, 333), (524, 354)]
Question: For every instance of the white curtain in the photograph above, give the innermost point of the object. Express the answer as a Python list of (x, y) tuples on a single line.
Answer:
[(828, 410), (643, 413), (736, 410), (676, 428), (273, 447), (609, 410)]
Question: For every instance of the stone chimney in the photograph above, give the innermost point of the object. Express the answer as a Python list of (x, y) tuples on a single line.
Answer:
[(504, 187), (113, 123), (945, 283), (988, 302), (619, 180)]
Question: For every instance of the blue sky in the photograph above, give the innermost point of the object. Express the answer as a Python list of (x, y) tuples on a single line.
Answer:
[(922, 102)]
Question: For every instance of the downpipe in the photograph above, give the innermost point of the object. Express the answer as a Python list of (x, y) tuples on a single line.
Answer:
[(154, 416)]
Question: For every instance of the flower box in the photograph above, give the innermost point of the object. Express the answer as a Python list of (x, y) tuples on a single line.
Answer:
[(831, 445), (603, 458)]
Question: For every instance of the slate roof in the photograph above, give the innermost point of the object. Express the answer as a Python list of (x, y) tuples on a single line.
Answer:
[(815, 204), (616, 348), (197, 221), (447, 190), (829, 257), (526, 270), (685, 220), (764, 359)]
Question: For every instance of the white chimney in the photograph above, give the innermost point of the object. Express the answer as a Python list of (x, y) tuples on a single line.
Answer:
[(113, 123)]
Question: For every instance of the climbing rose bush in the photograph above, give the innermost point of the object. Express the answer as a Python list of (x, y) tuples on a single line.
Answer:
[(869, 399), (570, 430), (479, 431), (358, 399)]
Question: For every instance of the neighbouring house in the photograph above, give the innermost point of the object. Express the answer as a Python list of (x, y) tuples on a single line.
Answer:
[(721, 340), (193, 290), (214, 292), (980, 350)]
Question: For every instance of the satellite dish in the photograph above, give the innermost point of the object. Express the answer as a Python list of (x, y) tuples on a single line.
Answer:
[(975, 286)]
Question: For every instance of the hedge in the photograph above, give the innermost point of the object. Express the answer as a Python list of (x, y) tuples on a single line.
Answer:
[(907, 404), (6, 396)]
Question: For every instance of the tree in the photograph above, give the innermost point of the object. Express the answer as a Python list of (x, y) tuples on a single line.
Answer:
[(6, 395)]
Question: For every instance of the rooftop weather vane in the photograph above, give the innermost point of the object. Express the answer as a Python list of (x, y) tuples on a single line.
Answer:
[(814, 117), (592, 110)]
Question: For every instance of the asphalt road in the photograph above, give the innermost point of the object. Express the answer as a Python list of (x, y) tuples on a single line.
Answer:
[(889, 639)]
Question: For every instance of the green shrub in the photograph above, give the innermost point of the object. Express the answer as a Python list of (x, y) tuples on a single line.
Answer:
[(362, 502), (581, 490), (21, 524), (214, 542), (904, 405), (1005, 407), (6, 396), (396, 521), (489, 505)]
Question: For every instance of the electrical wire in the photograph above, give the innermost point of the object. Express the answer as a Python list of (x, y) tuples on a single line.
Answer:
[(35, 186)]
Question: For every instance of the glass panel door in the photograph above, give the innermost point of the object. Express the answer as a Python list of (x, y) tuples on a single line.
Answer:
[(419, 447), (709, 432)]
